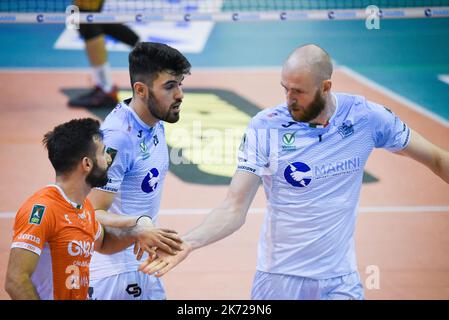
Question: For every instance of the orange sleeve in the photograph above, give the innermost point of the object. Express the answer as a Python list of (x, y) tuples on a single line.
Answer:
[(33, 227)]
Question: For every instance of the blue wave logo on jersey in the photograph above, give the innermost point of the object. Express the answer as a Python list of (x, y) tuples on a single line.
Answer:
[(149, 183), (298, 174)]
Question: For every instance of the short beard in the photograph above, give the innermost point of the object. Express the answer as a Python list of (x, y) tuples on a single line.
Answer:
[(155, 110), (312, 111), (97, 177)]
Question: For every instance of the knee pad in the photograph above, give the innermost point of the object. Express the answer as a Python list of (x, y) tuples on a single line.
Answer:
[(90, 31), (121, 32)]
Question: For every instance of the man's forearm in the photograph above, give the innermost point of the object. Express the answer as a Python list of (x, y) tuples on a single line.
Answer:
[(220, 223), (429, 154), (441, 166), (115, 220), (21, 289), (117, 239)]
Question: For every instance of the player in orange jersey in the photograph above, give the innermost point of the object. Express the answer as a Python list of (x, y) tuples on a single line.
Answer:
[(55, 230)]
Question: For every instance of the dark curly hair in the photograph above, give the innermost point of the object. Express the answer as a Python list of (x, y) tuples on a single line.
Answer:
[(148, 59), (70, 142)]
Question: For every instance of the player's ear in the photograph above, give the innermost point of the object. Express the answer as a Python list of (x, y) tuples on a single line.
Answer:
[(87, 164), (140, 89), (326, 85)]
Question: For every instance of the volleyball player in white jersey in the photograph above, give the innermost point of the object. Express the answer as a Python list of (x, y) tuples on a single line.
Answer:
[(134, 136), (309, 153)]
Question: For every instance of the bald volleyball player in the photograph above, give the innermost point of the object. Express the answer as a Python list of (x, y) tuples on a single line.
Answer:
[(309, 152)]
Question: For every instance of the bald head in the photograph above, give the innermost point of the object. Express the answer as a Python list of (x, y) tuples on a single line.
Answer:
[(306, 80), (311, 59)]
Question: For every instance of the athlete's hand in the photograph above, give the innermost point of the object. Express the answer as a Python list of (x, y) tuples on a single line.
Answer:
[(139, 251), (164, 262), (150, 238)]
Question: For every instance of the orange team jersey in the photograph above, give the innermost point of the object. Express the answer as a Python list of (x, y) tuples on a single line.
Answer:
[(62, 233)]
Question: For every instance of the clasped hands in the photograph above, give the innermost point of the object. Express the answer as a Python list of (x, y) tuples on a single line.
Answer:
[(165, 248)]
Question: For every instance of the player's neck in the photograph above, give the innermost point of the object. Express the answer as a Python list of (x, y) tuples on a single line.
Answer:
[(329, 110), (142, 112), (75, 188)]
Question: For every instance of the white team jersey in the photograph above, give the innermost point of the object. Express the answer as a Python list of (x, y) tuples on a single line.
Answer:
[(140, 163), (312, 178)]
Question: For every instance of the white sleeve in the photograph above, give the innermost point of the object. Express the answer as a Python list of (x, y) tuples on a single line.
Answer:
[(253, 154), (389, 132)]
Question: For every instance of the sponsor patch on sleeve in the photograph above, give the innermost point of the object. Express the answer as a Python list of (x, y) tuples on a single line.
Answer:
[(37, 213)]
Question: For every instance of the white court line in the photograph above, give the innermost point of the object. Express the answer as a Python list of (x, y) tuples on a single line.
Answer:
[(418, 108), (444, 78), (203, 211)]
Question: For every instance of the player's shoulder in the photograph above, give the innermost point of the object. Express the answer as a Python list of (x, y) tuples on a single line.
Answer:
[(118, 127), (271, 117), (44, 201), (48, 194), (353, 107), (118, 119), (357, 104)]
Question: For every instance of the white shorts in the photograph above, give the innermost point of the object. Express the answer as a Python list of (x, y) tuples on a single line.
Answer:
[(127, 286), (272, 286)]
